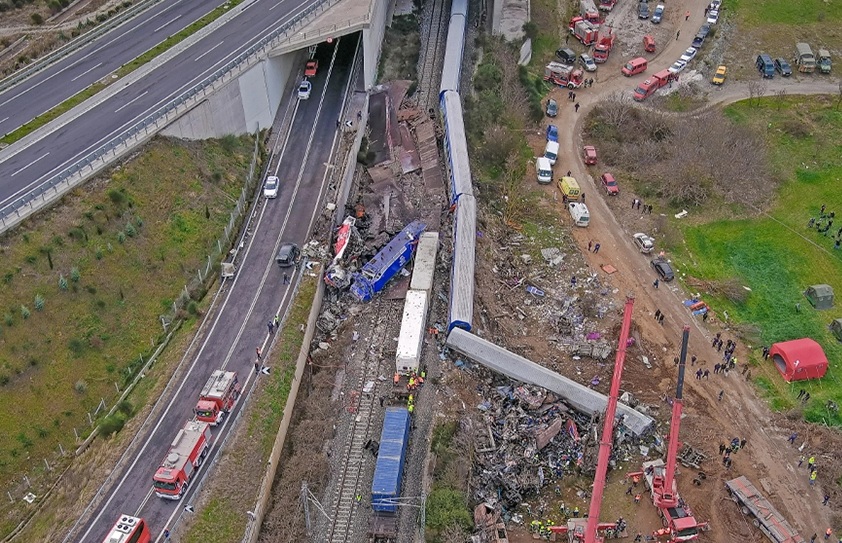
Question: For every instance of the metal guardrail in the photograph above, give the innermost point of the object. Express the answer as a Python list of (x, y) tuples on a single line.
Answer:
[(74, 44), (55, 187)]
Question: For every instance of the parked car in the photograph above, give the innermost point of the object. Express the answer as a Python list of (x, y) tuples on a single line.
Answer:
[(719, 76), (658, 14), (552, 133), (644, 243), (677, 66), (552, 108), (587, 63), (783, 67), (287, 255), (589, 153), (566, 55), (714, 5), (765, 65), (610, 184), (311, 68), (643, 10), (689, 54), (271, 186), (304, 90), (663, 269), (713, 16)]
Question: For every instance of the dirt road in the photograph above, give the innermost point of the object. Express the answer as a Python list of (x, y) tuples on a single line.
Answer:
[(769, 460)]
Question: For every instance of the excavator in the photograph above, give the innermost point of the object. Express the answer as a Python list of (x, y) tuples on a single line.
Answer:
[(588, 530), (679, 522)]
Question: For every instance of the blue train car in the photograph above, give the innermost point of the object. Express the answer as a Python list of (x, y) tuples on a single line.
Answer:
[(455, 146), (452, 70), (461, 310), (374, 275), (388, 472)]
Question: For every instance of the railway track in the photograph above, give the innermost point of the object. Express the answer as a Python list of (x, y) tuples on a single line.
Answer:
[(434, 35), (363, 407)]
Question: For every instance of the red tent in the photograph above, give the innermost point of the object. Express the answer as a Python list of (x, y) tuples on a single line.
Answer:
[(799, 359)]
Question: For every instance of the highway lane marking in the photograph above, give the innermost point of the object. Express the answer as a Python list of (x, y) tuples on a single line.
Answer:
[(208, 51), (87, 71), (30, 164), (4, 120), (133, 100), (167, 23), (276, 5), (268, 29)]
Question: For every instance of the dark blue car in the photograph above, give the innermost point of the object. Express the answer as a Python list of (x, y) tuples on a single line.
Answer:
[(552, 133)]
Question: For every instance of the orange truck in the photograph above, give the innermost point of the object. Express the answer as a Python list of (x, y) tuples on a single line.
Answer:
[(186, 455), (653, 83), (217, 397)]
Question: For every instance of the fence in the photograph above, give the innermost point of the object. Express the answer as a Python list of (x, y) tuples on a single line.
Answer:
[(55, 187), (38, 479)]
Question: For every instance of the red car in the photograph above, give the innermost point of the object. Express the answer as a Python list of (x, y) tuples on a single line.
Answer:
[(311, 68), (590, 155), (610, 184)]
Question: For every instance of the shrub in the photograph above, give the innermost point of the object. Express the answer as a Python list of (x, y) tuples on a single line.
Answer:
[(62, 282), (24, 312), (75, 275), (77, 347), (193, 308), (130, 230), (117, 197), (37, 19), (8, 319), (121, 237), (112, 424), (81, 386), (98, 254), (126, 408), (39, 302)]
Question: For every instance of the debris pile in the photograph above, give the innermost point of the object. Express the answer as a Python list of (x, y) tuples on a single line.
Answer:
[(530, 438)]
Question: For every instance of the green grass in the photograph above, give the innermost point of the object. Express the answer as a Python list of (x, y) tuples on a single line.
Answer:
[(263, 421), (58, 363), (785, 12), (124, 70), (775, 254)]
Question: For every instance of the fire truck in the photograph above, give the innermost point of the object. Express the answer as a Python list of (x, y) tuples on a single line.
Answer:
[(584, 31), (217, 397), (603, 46), (563, 75), (186, 454), (129, 529)]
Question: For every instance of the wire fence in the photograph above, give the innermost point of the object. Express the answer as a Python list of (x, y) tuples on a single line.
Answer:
[(59, 184)]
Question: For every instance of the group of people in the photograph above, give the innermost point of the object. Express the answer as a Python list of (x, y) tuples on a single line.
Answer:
[(824, 223), (811, 467), (726, 450), (637, 203)]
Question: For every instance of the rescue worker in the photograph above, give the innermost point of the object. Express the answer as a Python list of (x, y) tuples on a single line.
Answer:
[(410, 408), (533, 526), (637, 498), (397, 378), (576, 512)]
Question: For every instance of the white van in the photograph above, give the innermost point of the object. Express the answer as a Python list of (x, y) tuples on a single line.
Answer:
[(545, 170), (551, 152), (579, 212)]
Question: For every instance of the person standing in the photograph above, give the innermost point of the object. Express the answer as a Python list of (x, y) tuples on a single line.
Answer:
[(576, 107), (677, 34), (721, 393), (259, 354), (596, 248)]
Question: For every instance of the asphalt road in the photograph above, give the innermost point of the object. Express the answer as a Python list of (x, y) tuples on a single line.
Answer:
[(28, 168), (89, 64), (257, 293)]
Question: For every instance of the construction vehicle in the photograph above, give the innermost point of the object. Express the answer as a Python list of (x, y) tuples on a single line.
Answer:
[(763, 514), (804, 58), (603, 46), (584, 31), (218, 396), (679, 523), (824, 61), (607, 5), (562, 75), (187, 453), (587, 530), (588, 10), (651, 84), (129, 529)]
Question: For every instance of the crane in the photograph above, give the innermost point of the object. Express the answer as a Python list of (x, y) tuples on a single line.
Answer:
[(660, 478), (587, 530)]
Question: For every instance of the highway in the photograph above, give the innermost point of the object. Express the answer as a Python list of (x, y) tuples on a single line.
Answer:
[(25, 169), (58, 82), (256, 293)]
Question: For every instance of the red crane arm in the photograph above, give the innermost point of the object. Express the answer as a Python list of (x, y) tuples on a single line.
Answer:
[(607, 437), (668, 498)]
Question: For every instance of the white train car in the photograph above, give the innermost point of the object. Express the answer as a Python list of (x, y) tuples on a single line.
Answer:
[(424, 268), (452, 71), (413, 326), (456, 146), (461, 314)]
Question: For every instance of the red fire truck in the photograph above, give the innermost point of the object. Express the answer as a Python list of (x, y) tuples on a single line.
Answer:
[(129, 529), (217, 397), (186, 454)]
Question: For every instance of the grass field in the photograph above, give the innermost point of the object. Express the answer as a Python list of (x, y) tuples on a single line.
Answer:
[(785, 12), (82, 287), (774, 253)]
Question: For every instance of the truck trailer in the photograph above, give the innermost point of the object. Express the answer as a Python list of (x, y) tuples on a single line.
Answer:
[(762, 513), (218, 396), (187, 452), (411, 338)]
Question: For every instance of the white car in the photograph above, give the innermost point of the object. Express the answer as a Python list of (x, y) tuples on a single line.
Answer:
[(304, 90), (713, 16), (270, 188), (714, 5), (689, 54), (677, 66), (644, 243), (587, 63)]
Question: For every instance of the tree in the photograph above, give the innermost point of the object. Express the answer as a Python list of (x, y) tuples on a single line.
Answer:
[(37, 19)]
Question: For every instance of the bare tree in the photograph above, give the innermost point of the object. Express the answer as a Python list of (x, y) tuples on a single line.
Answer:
[(780, 97)]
